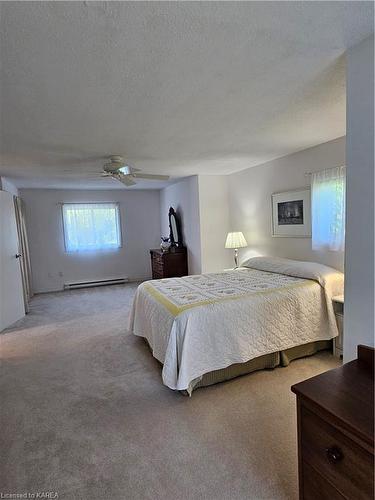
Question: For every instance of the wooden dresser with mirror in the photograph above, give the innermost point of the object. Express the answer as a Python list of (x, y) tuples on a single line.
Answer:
[(174, 262)]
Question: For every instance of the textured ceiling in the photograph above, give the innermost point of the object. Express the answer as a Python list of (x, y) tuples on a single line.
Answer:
[(179, 88)]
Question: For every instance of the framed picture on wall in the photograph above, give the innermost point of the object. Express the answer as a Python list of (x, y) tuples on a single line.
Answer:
[(291, 214)]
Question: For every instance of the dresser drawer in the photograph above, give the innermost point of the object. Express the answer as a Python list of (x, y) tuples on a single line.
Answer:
[(341, 461), (316, 487), (157, 266), (157, 258)]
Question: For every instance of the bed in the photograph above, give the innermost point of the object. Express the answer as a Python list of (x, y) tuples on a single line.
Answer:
[(211, 327)]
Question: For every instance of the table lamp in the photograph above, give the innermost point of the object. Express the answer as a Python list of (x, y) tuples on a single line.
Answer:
[(236, 240)]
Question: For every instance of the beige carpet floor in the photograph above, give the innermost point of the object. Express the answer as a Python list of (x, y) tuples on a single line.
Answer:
[(84, 413)]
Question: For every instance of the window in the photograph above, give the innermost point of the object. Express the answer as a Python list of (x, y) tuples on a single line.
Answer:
[(328, 209), (91, 226)]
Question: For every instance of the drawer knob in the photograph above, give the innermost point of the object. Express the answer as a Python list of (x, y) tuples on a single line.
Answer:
[(334, 454)]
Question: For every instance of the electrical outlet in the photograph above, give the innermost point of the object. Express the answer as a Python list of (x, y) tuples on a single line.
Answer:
[(61, 274)]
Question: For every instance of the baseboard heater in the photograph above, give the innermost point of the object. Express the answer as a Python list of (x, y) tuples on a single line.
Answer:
[(87, 284)]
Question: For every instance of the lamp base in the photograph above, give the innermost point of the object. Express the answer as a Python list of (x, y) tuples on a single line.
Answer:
[(235, 258)]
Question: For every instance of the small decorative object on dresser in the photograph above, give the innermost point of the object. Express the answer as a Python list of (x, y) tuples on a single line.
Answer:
[(170, 264), (338, 342), (165, 244), (335, 413)]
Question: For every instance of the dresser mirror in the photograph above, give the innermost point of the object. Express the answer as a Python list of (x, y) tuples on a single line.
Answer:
[(174, 229)]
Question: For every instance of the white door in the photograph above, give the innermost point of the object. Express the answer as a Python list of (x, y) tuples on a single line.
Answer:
[(11, 295)]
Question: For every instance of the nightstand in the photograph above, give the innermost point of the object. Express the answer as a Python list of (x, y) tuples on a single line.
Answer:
[(338, 342)]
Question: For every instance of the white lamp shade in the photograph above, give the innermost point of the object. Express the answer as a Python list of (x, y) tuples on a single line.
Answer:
[(236, 240)]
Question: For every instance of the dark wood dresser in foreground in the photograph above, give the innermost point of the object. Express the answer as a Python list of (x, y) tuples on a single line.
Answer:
[(335, 414), (170, 264)]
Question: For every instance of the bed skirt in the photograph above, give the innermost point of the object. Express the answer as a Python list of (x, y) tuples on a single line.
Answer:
[(268, 361), (280, 358)]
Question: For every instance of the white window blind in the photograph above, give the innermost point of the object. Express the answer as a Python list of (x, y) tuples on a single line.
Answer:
[(328, 209), (91, 226)]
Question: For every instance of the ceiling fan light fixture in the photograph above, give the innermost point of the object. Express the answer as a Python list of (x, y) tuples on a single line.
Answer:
[(116, 168), (125, 170)]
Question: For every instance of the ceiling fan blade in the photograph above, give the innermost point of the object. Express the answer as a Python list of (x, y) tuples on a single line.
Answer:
[(125, 179), (152, 177)]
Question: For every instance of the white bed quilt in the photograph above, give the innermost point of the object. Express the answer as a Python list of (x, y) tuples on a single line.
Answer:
[(197, 324)]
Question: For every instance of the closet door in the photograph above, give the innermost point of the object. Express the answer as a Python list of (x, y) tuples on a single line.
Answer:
[(11, 293)]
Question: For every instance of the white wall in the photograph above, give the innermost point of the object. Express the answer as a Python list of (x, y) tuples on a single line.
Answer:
[(184, 198), (212, 205), (7, 185), (359, 259), (52, 266), (250, 202), (214, 223)]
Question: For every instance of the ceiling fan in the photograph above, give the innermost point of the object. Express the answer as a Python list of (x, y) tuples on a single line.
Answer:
[(116, 168)]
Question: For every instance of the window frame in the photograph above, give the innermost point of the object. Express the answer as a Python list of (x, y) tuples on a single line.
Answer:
[(119, 224)]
